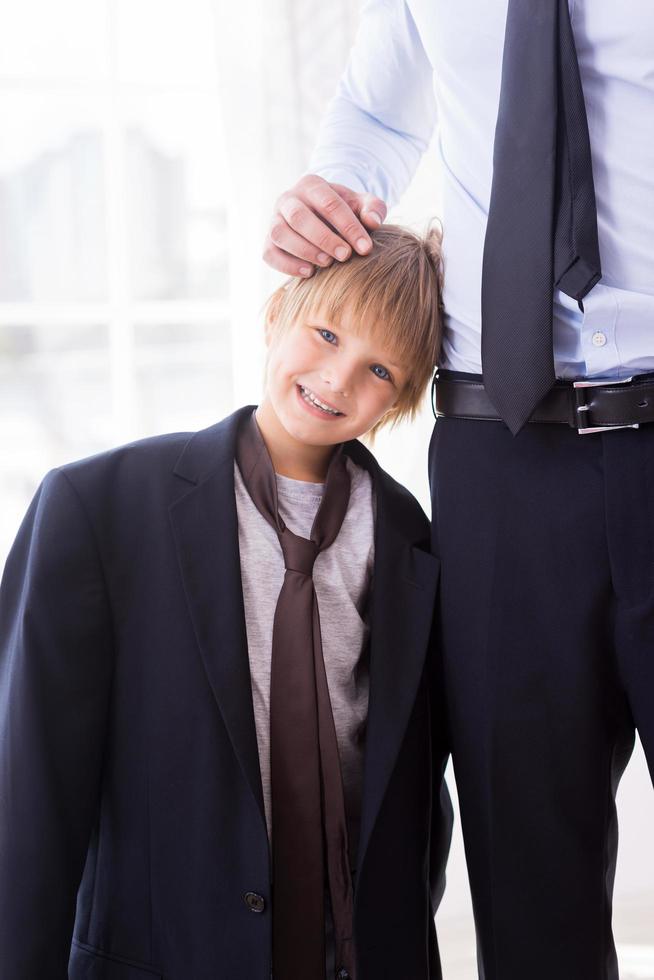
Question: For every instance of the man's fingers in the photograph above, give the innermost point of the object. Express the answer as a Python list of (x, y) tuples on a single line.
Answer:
[(289, 241), (316, 222), (339, 206), (278, 259), (302, 220)]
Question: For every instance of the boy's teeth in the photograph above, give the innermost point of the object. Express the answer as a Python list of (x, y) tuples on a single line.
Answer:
[(310, 397)]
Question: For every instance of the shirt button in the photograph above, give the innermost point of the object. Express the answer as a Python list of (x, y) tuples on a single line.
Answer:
[(599, 338), (255, 903), (342, 974)]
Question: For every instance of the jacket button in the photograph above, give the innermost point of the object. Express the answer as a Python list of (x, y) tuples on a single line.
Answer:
[(255, 903), (342, 974)]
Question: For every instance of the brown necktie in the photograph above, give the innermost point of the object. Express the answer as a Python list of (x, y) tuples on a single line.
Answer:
[(308, 808)]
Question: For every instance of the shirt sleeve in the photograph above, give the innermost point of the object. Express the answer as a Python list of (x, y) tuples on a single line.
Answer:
[(382, 117)]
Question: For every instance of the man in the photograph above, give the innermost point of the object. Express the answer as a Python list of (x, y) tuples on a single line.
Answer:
[(542, 460)]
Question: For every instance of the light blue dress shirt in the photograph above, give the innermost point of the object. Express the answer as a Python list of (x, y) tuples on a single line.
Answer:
[(422, 64)]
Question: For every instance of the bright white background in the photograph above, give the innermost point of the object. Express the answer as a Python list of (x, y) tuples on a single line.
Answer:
[(143, 145)]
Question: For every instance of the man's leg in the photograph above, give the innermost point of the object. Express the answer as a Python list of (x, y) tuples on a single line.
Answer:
[(629, 465), (539, 725)]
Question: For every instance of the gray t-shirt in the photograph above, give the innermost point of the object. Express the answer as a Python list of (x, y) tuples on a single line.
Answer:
[(342, 579)]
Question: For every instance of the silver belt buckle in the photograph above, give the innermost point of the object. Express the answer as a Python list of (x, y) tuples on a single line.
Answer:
[(583, 407)]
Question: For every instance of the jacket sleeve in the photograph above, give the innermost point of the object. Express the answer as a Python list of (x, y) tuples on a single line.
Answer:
[(381, 119), (55, 676)]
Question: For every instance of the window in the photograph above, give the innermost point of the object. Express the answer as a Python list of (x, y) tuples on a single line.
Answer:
[(114, 262)]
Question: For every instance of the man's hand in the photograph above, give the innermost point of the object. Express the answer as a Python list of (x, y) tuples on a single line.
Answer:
[(316, 222)]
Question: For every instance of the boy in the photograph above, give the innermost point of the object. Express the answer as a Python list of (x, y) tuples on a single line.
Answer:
[(198, 745)]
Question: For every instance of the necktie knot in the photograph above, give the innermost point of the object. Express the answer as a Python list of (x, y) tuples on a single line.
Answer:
[(299, 553)]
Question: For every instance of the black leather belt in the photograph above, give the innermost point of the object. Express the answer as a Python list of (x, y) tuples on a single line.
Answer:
[(586, 405)]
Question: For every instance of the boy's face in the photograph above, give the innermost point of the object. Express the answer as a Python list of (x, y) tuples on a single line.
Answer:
[(327, 383)]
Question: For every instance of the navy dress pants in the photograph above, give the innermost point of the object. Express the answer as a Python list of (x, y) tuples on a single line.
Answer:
[(546, 543)]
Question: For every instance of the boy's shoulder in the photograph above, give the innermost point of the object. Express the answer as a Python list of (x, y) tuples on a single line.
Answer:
[(125, 494), (148, 474), (188, 454)]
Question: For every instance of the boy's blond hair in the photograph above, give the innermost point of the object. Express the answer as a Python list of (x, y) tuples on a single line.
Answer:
[(395, 292)]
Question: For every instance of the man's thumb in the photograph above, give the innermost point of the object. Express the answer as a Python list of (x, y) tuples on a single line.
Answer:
[(372, 210), (369, 209)]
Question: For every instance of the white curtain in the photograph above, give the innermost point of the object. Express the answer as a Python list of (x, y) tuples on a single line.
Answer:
[(279, 62)]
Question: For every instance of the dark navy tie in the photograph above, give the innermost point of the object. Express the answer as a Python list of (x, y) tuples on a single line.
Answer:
[(542, 220)]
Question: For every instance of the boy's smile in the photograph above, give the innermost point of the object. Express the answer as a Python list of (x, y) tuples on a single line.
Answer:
[(316, 404), (326, 383)]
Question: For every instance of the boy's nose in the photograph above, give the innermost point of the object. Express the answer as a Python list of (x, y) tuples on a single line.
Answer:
[(339, 381)]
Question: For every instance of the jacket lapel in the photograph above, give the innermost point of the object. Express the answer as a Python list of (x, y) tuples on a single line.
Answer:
[(205, 529), (402, 609)]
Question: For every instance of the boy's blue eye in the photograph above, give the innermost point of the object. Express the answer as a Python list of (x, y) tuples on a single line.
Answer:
[(328, 336), (380, 372)]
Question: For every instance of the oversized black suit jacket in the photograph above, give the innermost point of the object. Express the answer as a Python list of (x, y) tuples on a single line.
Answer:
[(131, 814)]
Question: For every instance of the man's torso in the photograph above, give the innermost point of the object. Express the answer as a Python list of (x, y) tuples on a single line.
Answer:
[(615, 45)]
